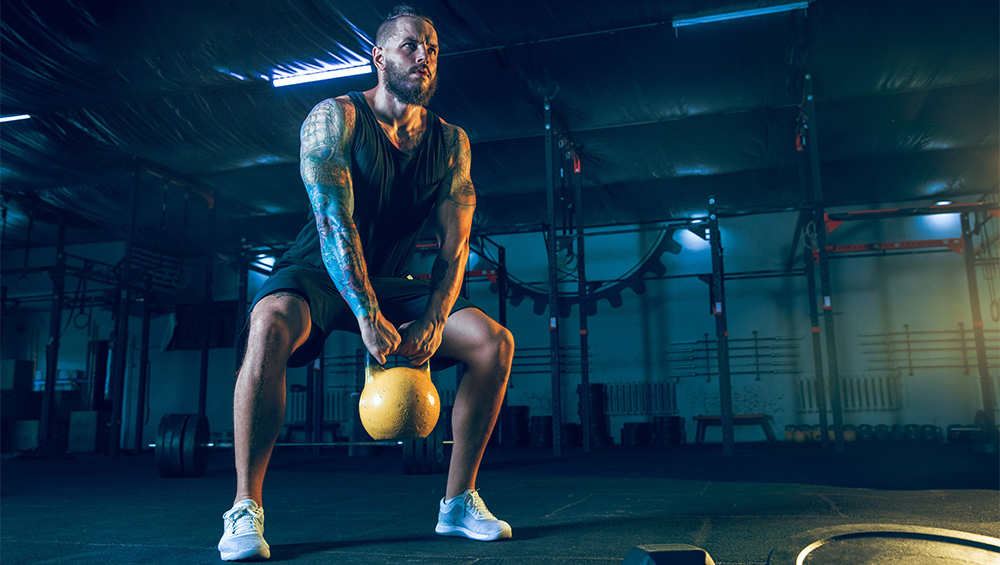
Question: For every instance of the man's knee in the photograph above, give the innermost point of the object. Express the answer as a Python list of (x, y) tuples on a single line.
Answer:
[(496, 345), (504, 341), (280, 321)]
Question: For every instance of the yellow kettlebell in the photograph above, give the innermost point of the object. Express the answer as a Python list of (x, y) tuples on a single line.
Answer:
[(398, 403)]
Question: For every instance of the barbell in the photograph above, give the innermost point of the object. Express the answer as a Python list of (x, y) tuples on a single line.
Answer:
[(182, 448), (400, 402)]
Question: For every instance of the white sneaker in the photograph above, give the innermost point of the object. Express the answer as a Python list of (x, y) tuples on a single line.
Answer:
[(243, 537), (466, 515)]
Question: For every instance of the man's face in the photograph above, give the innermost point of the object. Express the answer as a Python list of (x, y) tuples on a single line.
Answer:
[(411, 62)]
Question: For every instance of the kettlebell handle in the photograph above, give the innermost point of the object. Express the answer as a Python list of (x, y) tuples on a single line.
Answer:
[(372, 367)]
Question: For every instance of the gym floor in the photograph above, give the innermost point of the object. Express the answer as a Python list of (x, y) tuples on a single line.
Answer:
[(580, 508)]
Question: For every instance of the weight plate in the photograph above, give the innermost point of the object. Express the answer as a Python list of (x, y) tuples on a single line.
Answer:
[(176, 443), (162, 457), (168, 445), (194, 448), (882, 544)]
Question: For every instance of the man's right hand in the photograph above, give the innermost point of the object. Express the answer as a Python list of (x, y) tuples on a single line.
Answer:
[(380, 337)]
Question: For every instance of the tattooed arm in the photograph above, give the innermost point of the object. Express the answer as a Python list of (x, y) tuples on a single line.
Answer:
[(325, 165), (454, 223)]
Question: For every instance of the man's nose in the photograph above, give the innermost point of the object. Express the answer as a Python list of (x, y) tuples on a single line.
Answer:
[(424, 55)]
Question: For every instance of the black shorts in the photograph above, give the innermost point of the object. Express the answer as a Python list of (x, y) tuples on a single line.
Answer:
[(400, 299)]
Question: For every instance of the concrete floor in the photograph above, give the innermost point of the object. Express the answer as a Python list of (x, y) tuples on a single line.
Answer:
[(581, 508)]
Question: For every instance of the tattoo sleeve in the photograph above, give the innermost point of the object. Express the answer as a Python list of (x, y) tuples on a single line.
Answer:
[(438, 272), (325, 167), (462, 193), (454, 224)]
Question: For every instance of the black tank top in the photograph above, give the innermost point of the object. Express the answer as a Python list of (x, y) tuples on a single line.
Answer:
[(393, 195)]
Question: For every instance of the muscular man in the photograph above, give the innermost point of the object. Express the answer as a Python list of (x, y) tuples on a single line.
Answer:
[(376, 165)]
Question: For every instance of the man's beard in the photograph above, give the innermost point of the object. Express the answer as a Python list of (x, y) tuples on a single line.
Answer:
[(397, 82)]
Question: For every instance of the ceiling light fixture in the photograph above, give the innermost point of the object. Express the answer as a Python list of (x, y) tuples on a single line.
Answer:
[(299, 78), (14, 118), (749, 13)]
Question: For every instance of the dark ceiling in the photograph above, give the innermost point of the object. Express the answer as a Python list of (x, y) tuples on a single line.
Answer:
[(141, 95)]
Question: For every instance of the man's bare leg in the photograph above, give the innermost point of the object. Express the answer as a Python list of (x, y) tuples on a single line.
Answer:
[(279, 324), (487, 348)]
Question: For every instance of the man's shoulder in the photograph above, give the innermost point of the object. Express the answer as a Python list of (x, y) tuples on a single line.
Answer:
[(450, 129), (453, 135), (333, 115), (341, 104)]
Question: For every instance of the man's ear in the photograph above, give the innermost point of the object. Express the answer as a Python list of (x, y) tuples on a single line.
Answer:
[(378, 57)]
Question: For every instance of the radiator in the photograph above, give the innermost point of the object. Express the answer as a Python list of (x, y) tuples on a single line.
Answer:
[(858, 393), (640, 399), (336, 406)]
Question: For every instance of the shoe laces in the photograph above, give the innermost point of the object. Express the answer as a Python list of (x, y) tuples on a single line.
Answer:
[(476, 504), (238, 525)]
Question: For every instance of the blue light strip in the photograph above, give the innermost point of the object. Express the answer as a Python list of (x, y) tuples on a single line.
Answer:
[(324, 75), (14, 118), (740, 14)]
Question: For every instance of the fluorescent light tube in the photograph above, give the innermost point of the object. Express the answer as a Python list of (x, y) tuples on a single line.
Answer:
[(695, 20), (323, 75), (14, 118)]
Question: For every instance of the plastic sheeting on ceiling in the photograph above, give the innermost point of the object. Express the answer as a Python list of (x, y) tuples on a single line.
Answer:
[(143, 94)]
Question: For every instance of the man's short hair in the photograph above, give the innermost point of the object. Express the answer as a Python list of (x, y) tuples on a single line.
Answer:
[(388, 26)]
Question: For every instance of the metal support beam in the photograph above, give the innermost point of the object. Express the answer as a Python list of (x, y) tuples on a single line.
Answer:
[(817, 345), (550, 193), (502, 285), (577, 181), (502, 425), (242, 301), (119, 354), (812, 145), (124, 299), (835, 219), (831, 338), (140, 405), (318, 399), (809, 262), (207, 308), (989, 435), (46, 424), (719, 309)]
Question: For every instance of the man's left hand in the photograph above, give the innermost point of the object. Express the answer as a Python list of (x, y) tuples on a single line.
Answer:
[(420, 339)]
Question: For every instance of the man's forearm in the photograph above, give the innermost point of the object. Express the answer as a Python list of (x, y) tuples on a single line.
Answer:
[(340, 246), (454, 219), (446, 283)]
